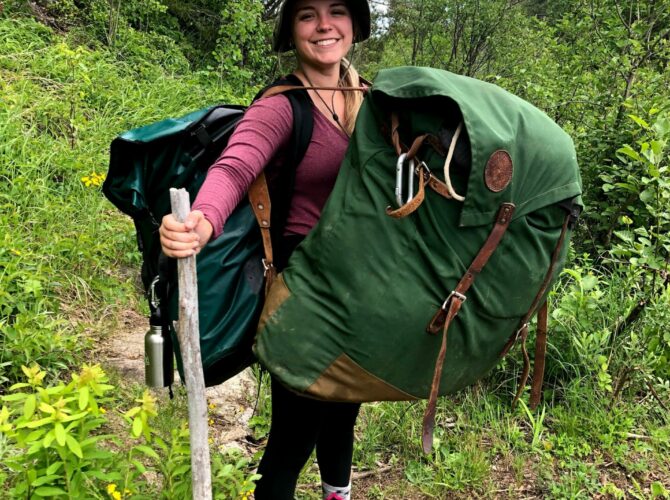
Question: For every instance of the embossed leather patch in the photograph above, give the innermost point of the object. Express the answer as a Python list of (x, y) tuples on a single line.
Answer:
[(498, 171)]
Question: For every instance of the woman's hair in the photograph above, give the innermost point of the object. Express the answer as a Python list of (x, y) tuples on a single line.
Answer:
[(352, 99)]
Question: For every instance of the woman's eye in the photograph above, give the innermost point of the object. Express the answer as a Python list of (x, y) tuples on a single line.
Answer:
[(305, 17)]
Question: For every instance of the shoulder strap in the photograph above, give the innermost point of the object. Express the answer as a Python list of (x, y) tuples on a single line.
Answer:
[(273, 222)]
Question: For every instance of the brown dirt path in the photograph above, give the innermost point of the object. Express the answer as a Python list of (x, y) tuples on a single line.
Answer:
[(231, 403)]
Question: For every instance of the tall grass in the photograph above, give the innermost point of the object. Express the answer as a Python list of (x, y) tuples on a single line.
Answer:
[(67, 257)]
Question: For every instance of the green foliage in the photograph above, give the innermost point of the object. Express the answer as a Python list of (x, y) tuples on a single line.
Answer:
[(61, 450), (242, 53), (89, 70), (63, 103), (53, 428)]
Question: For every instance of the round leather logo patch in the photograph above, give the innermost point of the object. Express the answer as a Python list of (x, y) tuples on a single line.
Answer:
[(498, 171)]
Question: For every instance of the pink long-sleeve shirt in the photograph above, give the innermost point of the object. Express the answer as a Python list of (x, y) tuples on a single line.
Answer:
[(261, 139)]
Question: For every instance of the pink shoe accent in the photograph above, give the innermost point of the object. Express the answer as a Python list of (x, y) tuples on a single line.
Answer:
[(334, 496)]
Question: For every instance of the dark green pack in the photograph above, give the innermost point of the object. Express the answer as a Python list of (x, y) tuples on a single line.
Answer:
[(144, 164)]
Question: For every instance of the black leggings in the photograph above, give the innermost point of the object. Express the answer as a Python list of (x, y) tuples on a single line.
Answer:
[(300, 424)]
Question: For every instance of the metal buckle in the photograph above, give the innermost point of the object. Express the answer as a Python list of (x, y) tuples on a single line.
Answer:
[(267, 266), (453, 294)]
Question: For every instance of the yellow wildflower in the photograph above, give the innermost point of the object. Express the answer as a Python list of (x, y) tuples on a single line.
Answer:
[(116, 495), (94, 179), (111, 488), (102, 410)]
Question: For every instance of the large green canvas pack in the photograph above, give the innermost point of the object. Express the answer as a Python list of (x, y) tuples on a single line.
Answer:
[(347, 318)]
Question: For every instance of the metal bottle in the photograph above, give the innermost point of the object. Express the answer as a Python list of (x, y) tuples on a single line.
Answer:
[(158, 359)]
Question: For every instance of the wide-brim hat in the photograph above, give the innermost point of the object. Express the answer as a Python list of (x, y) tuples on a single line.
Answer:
[(360, 15)]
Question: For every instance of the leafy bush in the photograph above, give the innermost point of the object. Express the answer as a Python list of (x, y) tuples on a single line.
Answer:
[(59, 448)]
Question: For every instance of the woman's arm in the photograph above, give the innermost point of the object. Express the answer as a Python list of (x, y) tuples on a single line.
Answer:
[(259, 137)]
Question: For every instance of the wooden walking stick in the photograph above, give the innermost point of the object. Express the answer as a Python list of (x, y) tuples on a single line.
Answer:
[(189, 343)]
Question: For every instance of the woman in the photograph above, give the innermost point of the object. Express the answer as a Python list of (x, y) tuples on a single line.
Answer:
[(321, 32)]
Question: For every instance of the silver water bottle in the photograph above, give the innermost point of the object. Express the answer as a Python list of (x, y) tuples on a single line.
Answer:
[(158, 365)]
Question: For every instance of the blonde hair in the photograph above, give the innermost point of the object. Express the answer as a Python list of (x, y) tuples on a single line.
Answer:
[(352, 100)]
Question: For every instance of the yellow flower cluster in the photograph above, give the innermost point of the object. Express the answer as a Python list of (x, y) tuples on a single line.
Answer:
[(115, 493), (94, 179)]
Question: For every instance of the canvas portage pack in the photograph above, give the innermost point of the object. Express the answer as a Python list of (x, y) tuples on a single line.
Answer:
[(144, 164), (416, 282)]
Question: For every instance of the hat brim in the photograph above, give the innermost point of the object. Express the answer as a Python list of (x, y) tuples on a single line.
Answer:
[(360, 15)]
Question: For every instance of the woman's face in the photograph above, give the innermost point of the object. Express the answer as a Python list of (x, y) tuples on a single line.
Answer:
[(322, 32)]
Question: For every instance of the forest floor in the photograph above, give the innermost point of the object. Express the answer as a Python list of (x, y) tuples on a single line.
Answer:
[(232, 406)]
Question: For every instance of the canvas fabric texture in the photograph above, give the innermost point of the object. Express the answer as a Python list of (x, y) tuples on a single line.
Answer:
[(347, 320)]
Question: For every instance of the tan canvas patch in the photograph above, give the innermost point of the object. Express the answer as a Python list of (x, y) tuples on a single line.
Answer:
[(345, 380), (498, 171), (279, 292)]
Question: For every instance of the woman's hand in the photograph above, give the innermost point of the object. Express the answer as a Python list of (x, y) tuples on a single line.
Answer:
[(181, 240)]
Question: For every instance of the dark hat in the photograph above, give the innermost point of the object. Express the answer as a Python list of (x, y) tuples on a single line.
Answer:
[(360, 15)]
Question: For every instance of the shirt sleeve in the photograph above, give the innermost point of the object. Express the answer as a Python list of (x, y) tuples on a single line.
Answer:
[(263, 132)]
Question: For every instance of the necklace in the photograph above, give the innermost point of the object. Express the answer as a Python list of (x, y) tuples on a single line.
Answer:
[(331, 108)]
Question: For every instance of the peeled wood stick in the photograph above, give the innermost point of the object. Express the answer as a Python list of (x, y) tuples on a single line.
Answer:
[(189, 343)]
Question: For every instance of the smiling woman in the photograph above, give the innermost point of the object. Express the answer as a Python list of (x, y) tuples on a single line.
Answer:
[(321, 32)]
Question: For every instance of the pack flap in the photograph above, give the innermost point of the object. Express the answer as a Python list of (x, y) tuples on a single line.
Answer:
[(543, 156)]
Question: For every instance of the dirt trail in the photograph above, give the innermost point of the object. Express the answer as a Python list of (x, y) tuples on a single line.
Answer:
[(232, 401)]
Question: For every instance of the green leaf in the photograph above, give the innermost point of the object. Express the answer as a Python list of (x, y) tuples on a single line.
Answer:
[(133, 411), (29, 406), (34, 435), (147, 451), (53, 468), (49, 491), (74, 446), (630, 152), (83, 398), (14, 397), (20, 385), (647, 196), (49, 438), (36, 423), (137, 427), (43, 480), (626, 236), (139, 465), (59, 430), (639, 121), (589, 282)]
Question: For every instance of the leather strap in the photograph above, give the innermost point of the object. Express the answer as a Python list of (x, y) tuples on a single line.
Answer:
[(522, 332), (259, 198), (259, 194), (414, 203), (280, 89), (540, 356), (434, 183), (445, 315), (417, 200), (499, 228)]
